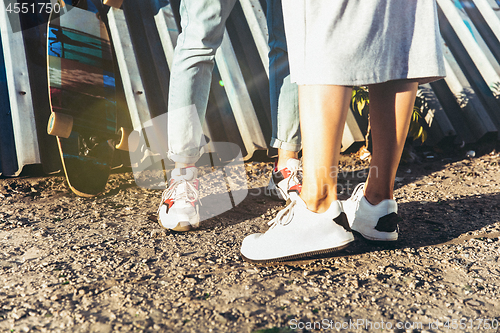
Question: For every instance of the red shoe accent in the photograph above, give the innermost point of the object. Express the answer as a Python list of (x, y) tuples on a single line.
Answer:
[(169, 203), (285, 172), (295, 188)]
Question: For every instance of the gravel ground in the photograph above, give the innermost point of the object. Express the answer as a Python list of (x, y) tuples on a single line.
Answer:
[(70, 264)]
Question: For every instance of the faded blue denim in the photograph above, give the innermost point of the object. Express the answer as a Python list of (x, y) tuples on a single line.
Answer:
[(283, 94), (203, 24)]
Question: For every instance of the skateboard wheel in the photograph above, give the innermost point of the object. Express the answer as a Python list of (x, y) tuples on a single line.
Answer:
[(129, 139), (113, 3), (60, 125)]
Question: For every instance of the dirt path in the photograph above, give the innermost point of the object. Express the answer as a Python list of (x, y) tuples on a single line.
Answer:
[(69, 264)]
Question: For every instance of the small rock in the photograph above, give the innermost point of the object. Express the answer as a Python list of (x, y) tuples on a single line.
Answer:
[(157, 233), (364, 155), (18, 314), (40, 233), (472, 302), (220, 318), (136, 299), (7, 264), (470, 154)]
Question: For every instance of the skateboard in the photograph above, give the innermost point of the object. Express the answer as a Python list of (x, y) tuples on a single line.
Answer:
[(82, 96)]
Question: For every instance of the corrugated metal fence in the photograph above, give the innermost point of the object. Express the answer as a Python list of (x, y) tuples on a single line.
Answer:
[(462, 108)]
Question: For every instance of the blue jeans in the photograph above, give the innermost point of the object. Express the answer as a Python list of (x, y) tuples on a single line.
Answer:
[(203, 24), (283, 94)]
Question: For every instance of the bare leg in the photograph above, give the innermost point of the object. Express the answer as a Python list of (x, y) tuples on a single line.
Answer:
[(183, 165), (391, 105), (284, 155), (323, 112)]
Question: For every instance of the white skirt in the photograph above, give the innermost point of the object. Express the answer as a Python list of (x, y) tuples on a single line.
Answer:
[(362, 42)]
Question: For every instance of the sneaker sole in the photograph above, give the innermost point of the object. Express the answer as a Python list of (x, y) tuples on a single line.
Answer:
[(298, 256), (373, 239), (179, 227)]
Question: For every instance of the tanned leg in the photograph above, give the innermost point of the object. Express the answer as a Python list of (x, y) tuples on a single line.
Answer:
[(323, 112), (391, 105)]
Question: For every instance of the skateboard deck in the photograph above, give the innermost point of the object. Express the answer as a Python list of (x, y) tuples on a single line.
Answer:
[(82, 96)]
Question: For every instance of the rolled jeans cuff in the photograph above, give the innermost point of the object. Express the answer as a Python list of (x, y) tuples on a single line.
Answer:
[(188, 157), (277, 143)]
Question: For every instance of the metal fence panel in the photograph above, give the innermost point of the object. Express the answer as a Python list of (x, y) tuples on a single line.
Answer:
[(462, 107), (471, 69), (19, 92), (8, 157)]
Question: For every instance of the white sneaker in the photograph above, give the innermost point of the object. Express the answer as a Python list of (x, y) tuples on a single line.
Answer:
[(296, 232), (179, 208), (285, 181), (374, 222)]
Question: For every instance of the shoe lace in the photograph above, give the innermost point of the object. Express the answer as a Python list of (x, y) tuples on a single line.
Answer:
[(284, 216), (358, 192), (180, 190), (295, 175)]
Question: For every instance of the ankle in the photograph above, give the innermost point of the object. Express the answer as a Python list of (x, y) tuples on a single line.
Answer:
[(284, 156), (374, 198), (318, 204), (377, 190)]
